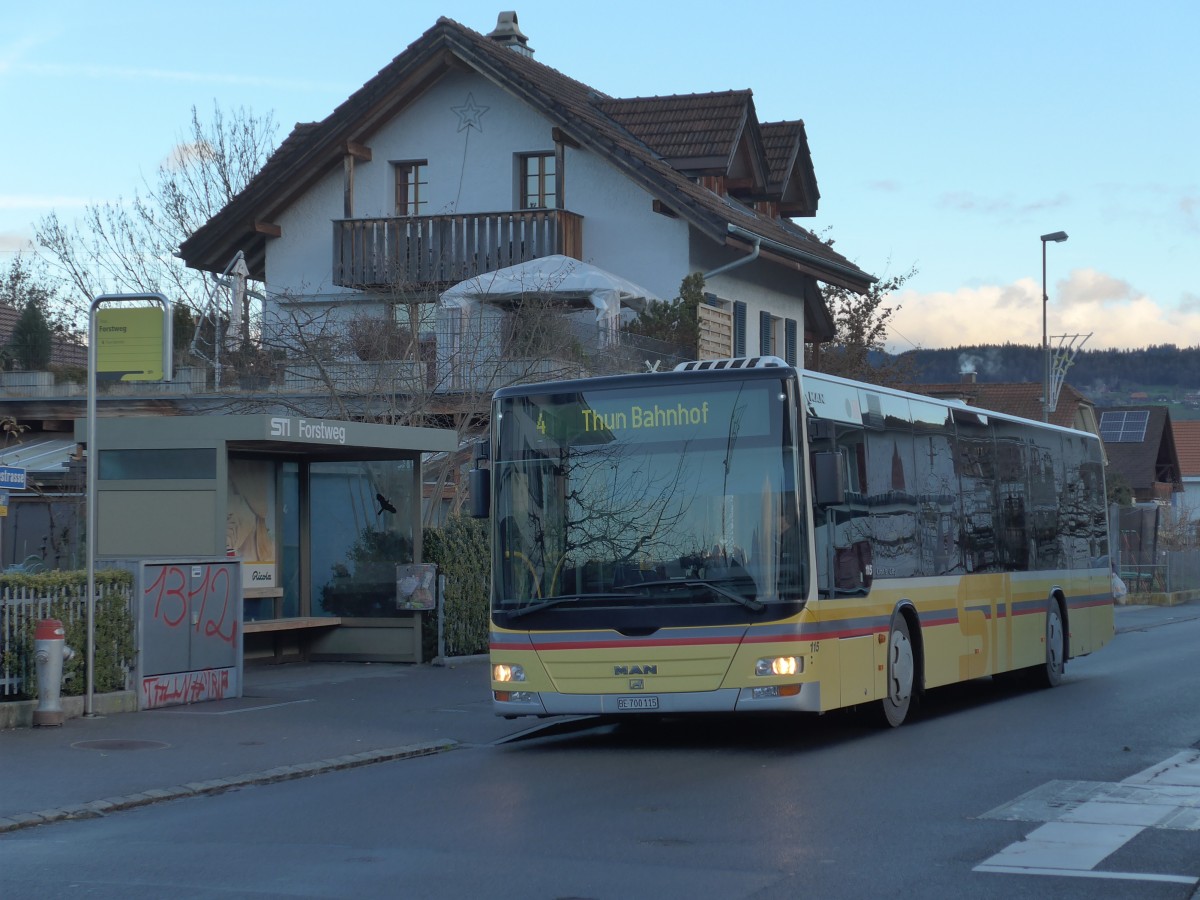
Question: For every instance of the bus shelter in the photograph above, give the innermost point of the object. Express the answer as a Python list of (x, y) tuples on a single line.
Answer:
[(318, 512)]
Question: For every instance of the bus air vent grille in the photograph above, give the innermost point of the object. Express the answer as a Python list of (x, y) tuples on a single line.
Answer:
[(745, 362)]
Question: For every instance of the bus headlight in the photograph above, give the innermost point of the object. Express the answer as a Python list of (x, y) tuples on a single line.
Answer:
[(779, 665), (505, 672)]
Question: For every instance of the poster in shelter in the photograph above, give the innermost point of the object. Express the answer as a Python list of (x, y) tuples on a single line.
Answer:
[(250, 520)]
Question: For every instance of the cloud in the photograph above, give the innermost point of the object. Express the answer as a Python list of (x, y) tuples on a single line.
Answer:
[(964, 201), (41, 201), (12, 52), (15, 242), (1189, 209), (1111, 310), (133, 73), (184, 154), (1088, 288)]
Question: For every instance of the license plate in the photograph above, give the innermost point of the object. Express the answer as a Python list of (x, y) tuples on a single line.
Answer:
[(632, 703)]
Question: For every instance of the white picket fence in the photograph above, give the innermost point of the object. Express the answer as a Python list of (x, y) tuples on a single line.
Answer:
[(19, 606)]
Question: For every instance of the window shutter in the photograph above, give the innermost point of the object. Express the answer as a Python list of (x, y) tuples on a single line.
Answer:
[(739, 328), (790, 337), (764, 333)]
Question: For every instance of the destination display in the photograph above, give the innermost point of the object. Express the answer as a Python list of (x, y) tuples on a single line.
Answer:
[(595, 417)]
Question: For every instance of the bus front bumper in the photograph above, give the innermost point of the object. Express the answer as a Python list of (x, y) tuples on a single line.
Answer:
[(724, 700)]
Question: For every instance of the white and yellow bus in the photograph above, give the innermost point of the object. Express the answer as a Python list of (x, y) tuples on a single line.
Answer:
[(740, 535)]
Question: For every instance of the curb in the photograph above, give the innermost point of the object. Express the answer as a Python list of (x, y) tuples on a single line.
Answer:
[(19, 713), (96, 808), (1163, 598)]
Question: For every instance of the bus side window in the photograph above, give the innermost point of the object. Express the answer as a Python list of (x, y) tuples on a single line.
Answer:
[(852, 566)]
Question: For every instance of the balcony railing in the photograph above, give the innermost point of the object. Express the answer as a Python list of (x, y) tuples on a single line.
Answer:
[(425, 250)]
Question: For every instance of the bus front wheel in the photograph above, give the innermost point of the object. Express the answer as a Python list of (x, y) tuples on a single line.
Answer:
[(901, 674)]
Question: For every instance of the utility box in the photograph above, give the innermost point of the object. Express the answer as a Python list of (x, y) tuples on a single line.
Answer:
[(189, 630)]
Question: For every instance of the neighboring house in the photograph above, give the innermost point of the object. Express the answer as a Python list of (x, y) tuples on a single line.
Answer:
[(465, 155), (63, 351), (1141, 448), (1018, 399), (1187, 446)]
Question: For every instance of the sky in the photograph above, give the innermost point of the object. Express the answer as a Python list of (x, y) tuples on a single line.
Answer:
[(946, 136)]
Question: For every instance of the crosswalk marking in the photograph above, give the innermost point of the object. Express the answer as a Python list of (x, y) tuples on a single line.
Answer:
[(1086, 822)]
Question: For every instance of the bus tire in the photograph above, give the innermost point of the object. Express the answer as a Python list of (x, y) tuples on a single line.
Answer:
[(1050, 673), (901, 674)]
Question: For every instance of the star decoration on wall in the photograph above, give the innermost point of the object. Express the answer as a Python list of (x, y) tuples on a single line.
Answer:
[(469, 114)]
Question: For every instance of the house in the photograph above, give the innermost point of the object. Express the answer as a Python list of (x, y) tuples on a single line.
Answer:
[(63, 350), (1187, 445), (465, 155), (1140, 445)]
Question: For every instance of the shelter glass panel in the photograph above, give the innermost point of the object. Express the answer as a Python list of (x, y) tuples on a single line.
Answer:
[(189, 463), (361, 520)]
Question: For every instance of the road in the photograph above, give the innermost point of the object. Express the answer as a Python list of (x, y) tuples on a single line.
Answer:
[(991, 792)]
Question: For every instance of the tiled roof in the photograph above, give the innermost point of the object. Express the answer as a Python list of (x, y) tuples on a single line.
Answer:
[(789, 165), (1017, 399), (700, 127), (579, 111), (780, 142), (1187, 445)]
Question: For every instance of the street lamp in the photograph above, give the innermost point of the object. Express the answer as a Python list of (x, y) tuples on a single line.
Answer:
[(1058, 237)]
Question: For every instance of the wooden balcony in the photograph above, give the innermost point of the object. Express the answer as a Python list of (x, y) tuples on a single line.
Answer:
[(433, 250)]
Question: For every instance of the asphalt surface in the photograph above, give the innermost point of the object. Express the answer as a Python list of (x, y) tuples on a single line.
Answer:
[(294, 721)]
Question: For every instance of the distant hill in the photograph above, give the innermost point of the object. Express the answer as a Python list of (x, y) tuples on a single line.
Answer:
[(1163, 373)]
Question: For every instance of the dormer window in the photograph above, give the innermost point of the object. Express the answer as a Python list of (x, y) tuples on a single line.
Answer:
[(536, 176), (411, 185)]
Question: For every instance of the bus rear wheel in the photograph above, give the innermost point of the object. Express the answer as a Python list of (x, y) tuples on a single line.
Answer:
[(901, 674), (1050, 673)]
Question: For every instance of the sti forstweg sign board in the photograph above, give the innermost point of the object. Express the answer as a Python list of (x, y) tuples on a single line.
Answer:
[(129, 344)]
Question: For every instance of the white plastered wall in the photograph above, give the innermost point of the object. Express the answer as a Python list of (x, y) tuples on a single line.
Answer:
[(473, 169)]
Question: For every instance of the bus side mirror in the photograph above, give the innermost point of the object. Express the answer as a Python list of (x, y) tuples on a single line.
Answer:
[(479, 483), (829, 485)]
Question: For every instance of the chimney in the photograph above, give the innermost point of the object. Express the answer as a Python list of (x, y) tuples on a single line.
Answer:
[(507, 33), (968, 377)]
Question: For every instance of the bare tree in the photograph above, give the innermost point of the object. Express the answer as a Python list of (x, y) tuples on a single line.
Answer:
[(861, 326), (397, 356), (121, 247)]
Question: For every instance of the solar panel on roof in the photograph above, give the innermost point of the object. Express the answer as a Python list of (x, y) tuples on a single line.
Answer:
[(1124, 426)]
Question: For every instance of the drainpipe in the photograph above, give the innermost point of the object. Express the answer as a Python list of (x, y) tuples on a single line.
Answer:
[(738, 262), (796, 253)]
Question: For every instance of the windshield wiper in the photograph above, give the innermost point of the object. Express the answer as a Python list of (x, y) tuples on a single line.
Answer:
[(715, 587), (559, 600)]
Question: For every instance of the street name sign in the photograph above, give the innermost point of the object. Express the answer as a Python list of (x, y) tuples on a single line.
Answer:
[(12, 478)]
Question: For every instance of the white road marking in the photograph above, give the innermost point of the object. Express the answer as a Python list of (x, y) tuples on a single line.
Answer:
[(1086, 822)]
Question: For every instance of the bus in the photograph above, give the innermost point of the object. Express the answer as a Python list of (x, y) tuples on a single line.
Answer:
[(743, 536)]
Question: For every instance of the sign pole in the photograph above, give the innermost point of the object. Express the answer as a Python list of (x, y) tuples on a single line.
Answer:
[(93, 465)]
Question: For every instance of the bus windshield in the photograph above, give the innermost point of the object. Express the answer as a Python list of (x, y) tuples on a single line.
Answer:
[(681, 496)]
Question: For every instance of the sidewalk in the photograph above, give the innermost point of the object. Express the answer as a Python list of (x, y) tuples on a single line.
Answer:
[(294, 721)]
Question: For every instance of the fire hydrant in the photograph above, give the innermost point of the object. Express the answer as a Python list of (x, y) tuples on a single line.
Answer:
[(50, 651)]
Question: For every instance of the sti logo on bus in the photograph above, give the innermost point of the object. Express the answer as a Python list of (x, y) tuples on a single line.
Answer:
[(635, 670)]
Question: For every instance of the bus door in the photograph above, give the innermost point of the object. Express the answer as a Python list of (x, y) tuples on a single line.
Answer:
[(842, 530), (984, 591)]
